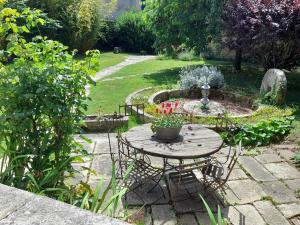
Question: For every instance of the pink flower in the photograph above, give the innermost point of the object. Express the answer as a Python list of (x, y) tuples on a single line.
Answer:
[(163, 105), (169, 104)]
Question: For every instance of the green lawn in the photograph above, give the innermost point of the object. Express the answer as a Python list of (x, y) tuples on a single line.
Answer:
[(108, 59), (108, 94)]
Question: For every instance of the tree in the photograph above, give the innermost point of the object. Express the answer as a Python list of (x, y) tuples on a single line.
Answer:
[(269, 30), (193, 23)]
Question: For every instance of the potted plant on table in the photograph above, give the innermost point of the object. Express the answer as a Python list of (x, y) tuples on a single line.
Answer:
[(168, 124)]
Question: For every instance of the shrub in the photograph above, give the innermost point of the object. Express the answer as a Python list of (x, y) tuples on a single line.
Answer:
[(133, 32), (186, 55), (191, 77)]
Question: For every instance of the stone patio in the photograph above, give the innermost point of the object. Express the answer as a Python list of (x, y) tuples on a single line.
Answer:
[(261, 189)]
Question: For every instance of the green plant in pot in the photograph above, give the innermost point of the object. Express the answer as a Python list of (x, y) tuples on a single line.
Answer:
[(168, 124)]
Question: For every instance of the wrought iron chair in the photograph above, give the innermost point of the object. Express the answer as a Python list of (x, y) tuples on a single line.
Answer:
[(140, 172), (228, 129), (216, 174), (183, 177)]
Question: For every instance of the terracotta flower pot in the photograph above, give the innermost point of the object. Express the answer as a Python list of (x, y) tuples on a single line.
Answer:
[(167, 133)]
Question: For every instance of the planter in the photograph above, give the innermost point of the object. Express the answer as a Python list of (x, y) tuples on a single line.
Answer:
[(167, 133), (104, 123)]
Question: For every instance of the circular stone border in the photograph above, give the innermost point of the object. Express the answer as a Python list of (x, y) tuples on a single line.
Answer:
[(215, 94)]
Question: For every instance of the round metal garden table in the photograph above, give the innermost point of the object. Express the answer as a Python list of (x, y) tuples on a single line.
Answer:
[(195, 141)]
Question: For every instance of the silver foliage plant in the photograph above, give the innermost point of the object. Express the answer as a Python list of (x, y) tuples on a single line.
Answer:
[(195, 77)]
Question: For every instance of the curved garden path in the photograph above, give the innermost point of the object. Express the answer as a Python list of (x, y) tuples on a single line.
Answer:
[(132, 59)]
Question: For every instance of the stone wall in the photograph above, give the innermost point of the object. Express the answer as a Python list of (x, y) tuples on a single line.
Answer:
[(19, 207)]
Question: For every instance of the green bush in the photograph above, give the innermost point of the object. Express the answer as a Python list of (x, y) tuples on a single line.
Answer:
[(186, 55), (42, 101), (133, 33)]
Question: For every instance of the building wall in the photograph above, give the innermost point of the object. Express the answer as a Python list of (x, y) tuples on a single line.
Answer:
[(124, 5)]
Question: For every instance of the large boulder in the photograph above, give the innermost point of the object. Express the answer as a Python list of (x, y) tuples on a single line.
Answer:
[(275, 83)]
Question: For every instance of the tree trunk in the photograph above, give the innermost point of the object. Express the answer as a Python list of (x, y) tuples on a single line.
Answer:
[(238, 60)]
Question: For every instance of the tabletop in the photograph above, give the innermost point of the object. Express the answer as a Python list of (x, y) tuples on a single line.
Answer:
[(195, 141)]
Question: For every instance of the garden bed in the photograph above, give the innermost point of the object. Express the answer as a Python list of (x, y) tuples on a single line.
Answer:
[(104, 123), (220, 101), (147, 96)]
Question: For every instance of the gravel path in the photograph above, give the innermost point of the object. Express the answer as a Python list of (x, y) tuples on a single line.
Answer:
[(133, 59)]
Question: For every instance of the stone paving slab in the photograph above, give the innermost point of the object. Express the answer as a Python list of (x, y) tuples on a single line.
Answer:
[(283, 170), (286, 146), (255, 169), (246, 191), (141, 196), (287, 155), (24, 208), (268, 158), (279, 192), (293, 184), (244, 214), (163, 215), (187, 219), (102, 165), (270, 214), (289, 210), (238, 174), (203, 218)]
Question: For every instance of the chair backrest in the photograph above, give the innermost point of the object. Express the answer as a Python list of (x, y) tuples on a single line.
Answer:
[(237, 152), (228, 129)]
